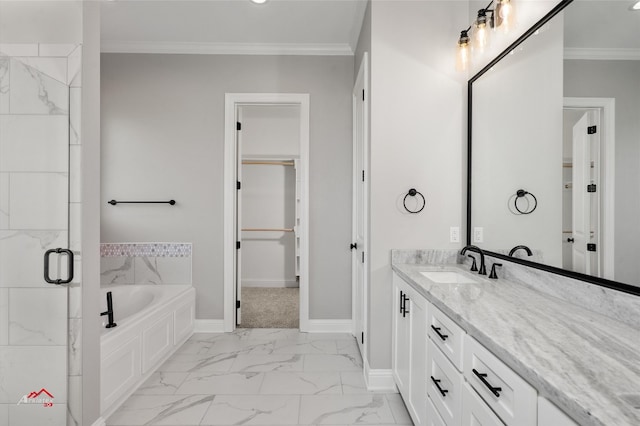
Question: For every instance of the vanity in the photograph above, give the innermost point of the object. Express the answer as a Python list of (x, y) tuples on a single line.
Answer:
[(468, 350)]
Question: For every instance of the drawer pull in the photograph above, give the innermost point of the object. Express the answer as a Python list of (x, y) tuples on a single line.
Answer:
[(437, 330), (405, 299), (401, 301), (437, 383), (481, 376)]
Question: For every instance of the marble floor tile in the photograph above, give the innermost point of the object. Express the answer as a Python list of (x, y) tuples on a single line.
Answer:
[(268, 362), (330, 336), (161, 410), (301, 384), (398, 409), (162, 383), (305, 347), (245, 383), (248, 346), (276, 334), (339, 362), (253, 410), (206, 363), (353, 382), (345, 409)]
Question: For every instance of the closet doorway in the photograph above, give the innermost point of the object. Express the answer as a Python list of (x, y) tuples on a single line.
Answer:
[(266, 214)]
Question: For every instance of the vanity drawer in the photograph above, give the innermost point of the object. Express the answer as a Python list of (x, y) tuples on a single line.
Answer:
[(446, 335), (512, 399), (444, 386), (475, 412), (433, 417)]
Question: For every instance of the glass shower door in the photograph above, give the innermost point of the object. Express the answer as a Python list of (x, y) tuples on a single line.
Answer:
[(34, 234)]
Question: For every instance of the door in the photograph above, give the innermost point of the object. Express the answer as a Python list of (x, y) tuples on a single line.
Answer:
[(360, 211), (35, 260), (238, 263), (584, 194)]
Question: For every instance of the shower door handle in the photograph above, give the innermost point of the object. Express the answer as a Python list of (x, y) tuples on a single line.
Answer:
[(47, 256)]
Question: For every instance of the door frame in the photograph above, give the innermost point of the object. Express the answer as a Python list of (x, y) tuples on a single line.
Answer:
[(607, 175), (362, 79), (232, 101)]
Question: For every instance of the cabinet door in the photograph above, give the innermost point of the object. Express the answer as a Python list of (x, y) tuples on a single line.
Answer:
[(401, 337), (475, 412), (418, 384)]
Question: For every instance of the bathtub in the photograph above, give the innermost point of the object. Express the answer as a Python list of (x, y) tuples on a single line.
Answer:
[(153, 321)]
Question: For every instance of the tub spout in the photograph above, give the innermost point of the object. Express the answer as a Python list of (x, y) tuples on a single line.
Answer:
[(109, 311)]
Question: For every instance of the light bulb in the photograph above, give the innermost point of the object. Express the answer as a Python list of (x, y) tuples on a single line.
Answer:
[(505, 17), (463, 56), (480, 37)]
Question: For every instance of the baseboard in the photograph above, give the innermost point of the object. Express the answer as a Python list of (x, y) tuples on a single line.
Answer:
[(329, 326), (271, 283), (209, 326), (379, 380), (100, 422)]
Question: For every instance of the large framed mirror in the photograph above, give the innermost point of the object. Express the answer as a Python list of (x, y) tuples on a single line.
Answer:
[(554, 146)]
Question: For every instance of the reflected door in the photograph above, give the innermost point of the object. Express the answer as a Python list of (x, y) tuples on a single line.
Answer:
[(34, 206)]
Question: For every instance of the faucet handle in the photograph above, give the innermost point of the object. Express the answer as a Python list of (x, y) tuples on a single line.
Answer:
[(474, 266), (493, 274)]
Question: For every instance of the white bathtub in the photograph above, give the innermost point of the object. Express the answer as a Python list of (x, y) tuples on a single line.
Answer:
[(152, 322)]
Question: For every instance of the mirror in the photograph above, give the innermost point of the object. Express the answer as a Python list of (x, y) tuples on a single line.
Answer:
[(554, 144)]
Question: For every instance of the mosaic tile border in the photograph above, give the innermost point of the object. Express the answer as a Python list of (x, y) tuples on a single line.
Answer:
[(145, 249)]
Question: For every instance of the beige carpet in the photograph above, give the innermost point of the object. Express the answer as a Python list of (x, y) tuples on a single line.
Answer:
[(270, 307)]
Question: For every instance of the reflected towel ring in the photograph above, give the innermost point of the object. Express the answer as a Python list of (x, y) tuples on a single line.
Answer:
[(521, 193), (413, 192)]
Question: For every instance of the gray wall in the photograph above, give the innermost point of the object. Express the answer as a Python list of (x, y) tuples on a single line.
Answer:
[(417, 135), (162, 137), (619, 80)]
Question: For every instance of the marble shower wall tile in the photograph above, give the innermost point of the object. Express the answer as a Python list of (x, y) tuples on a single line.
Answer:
[(34, 414), (74, 407), (37, 316), (75, 347), (23, 249), (4, 200), (75, 104), (18, 49), (42, 83), (23, 371), (38, 201), (32, 143), (4, 85), (4, 316)]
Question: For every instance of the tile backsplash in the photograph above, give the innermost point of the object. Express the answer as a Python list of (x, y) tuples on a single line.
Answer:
[(145, 263)]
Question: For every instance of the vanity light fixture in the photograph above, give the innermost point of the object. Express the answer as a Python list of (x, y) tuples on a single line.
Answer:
[(487, 19), (636, 6), (258, 1)]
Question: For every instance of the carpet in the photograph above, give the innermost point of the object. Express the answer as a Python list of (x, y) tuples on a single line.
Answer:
[(270, 307)]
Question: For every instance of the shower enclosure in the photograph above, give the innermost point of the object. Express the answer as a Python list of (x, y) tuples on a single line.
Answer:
[(39, 205)]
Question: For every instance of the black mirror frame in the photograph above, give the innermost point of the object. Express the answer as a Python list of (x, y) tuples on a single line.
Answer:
[(615, 285)]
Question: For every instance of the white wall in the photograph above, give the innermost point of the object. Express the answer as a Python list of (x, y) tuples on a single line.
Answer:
[(417, 137), (269, 195), (41, 21), (517, 144), (619, 80), (162, 120)]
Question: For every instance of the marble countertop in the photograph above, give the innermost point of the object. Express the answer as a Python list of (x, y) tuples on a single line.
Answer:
[(586, 363)]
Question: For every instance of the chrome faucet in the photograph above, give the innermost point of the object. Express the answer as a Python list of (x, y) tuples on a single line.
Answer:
[(109, 312), (520, 247), (483, 268)]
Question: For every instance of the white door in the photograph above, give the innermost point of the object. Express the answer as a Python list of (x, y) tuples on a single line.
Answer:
[(584, 194), (360, 211), (238, 271)]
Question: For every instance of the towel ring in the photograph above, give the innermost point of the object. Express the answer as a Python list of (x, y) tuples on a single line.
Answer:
[(521, 193), (413, 192)]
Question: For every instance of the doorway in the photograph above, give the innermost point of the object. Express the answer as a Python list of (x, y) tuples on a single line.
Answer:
[(588, 182), (266, 211)]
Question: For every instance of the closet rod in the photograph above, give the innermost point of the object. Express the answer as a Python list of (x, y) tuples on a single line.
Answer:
[(269, 163), (268, 229)]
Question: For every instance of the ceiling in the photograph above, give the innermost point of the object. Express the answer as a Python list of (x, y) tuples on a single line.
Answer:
[(232, 26)]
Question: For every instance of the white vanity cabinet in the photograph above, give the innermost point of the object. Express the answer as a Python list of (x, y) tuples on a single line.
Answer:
[(447, 378), (409, 348)]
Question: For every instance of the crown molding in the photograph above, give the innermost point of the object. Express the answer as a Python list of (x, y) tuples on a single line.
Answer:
[(313, 49), (602, 54)]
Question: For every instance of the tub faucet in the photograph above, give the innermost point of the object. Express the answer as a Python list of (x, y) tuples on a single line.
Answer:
[(520, 247), (483, 268), (109, 312)]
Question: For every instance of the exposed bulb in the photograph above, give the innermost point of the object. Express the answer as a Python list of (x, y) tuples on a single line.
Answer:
[(505, 17), (463, 55), (480, 36)]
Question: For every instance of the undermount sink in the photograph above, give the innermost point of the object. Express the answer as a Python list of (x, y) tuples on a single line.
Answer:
[(448, 277)]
